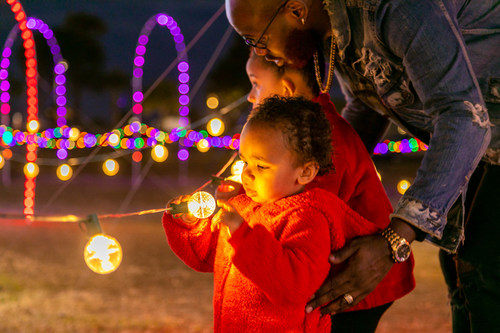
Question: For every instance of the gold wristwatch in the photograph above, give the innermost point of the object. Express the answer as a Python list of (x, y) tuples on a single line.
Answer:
[(399, 246)]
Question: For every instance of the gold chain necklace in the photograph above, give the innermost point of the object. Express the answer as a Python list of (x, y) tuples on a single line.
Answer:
[(331, 68)]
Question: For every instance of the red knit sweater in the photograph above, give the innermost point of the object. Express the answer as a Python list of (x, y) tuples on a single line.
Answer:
[(356, 182), (265, 272)]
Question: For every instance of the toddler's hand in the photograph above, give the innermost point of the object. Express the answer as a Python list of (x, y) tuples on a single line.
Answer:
[(229, 216), (188, 218), (227, 189)]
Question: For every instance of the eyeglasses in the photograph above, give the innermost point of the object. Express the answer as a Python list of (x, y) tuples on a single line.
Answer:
[(257, 43)]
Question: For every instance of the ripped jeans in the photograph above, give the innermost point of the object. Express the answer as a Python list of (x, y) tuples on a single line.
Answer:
[(473, 275)]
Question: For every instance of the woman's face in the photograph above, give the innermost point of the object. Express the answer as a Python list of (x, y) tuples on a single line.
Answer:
[(265, 81)]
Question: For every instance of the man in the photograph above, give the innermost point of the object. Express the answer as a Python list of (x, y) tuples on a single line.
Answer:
[(433, 67)]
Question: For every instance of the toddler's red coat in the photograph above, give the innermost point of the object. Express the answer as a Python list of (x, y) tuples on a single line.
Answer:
[(265, 273)]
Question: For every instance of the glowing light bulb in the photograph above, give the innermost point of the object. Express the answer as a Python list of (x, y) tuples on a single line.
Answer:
[(2, 161), (215, 127), (403, 185), (31, 170), (110, 167), (159, 153), (201, 204), (64, 172), (102, 254)]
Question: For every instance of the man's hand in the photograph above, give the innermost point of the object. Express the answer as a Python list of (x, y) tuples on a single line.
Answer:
[(367, 260)]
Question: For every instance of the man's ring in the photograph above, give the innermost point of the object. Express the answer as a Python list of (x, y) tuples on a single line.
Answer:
[(348, 299)]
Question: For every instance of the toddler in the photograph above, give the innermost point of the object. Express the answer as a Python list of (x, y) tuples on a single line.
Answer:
[(271, 253)]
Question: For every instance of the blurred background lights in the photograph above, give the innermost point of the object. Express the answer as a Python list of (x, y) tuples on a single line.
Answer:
[(33, 126), (203, 145), (2, 161), (64, 172), (159, 153), (7, 154), (31, 170), (136, 156), (102, 254), (212, 102), (110, 167), (402, 186), (183, 154), (215, 127), (114, 139)]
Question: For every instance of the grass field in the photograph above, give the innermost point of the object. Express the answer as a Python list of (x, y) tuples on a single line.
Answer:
[(45, 285)]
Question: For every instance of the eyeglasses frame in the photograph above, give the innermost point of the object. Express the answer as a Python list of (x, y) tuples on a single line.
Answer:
[(257, 44)]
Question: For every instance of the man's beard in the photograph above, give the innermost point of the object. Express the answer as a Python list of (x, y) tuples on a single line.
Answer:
[(300, 47)]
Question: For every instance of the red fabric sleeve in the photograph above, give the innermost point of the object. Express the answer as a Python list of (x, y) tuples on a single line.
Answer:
[(194, 244), (297, 262)]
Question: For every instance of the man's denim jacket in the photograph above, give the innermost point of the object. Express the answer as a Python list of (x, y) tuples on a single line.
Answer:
[(433, 67)]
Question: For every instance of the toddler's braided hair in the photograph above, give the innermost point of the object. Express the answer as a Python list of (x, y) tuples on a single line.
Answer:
[(304, 126)]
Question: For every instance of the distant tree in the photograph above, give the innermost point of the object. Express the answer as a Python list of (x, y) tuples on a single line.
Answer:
[(79, 37), (228, 79), (117, 83)]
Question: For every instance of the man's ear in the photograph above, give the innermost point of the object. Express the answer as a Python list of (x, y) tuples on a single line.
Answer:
[(298, 10), (308, 172), (289, 88)]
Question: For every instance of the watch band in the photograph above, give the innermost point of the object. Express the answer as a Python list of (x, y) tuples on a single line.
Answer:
[(396, 242)]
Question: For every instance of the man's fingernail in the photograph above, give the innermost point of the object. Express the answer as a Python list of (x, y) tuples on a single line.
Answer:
[(332, 257), (309, 309)]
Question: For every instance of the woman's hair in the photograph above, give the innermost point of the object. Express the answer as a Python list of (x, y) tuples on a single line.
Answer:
[(304, 125)]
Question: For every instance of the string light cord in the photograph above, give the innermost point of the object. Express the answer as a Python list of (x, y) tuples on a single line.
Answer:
[(122, 121)]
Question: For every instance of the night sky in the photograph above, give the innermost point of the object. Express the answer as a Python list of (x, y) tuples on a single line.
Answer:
[(125, 19)]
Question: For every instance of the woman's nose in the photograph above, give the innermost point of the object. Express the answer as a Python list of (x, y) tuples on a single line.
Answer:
[(251, 97)]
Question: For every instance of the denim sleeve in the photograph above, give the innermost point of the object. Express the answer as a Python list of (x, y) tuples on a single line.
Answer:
[(370, 125), (426, 36)]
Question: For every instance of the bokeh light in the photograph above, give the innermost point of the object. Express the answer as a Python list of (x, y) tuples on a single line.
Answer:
[(137, 156), (64, 172), (183, 154), (159, 153), (31, 170), (215, 127), (403, 185), (110, 167), (212, 102)]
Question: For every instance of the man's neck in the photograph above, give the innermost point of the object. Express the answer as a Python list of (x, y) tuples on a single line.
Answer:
[(321, 22)]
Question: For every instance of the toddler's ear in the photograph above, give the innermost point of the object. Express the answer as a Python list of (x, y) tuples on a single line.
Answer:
[(308, 172)]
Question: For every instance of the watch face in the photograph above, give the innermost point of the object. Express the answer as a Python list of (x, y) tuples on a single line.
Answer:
[(402, 251)]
